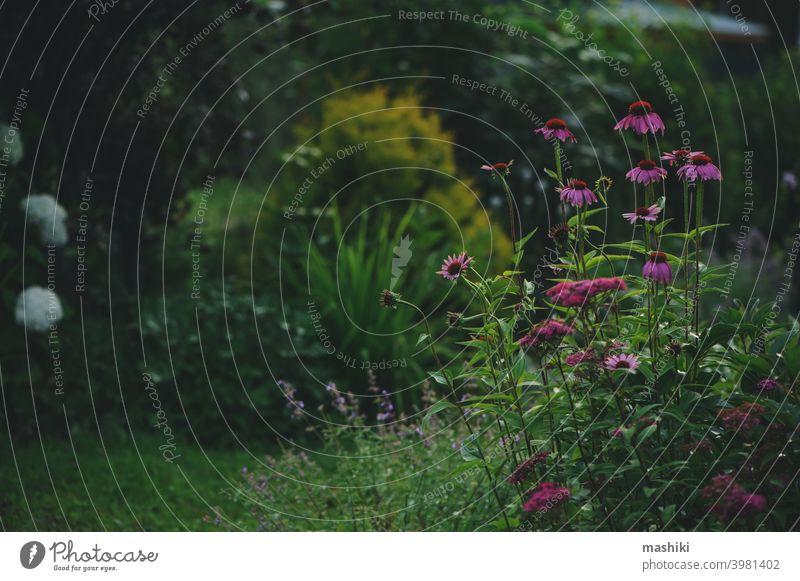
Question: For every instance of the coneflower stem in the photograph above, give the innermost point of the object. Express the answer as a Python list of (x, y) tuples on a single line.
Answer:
[(560, 174), (697, 246), (517, 252), (686, 225)]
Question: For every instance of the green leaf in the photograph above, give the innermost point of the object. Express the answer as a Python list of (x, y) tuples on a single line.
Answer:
[(440, 405), (422, 338), (438, 377)]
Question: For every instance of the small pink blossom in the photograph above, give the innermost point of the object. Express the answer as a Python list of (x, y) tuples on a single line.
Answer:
[(556, 128), (455, 265), (625, 361), (641, 119), (643, 214), (646, 172)]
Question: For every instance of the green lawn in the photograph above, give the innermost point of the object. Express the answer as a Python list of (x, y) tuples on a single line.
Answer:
[(120, 489)]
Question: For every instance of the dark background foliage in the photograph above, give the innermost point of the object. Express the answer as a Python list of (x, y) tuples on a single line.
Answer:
[(231, 112)]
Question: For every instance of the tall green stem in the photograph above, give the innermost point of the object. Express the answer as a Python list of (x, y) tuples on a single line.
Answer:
[(450, 385), (513, 223), (686, 226), (560, 174), (697, 249)]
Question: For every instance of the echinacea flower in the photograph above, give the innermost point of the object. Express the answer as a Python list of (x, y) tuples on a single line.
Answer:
[(550, 331), (454, 266), (641, 119), (502, 167), (453, 319), (643, 214), (678, 156), (625, 361), (768, 385), (657, 268), (389, 299), (524, 469), (559, 232), (545, 497), (646, 172), (699, 166), (556, 128), (577, 193)]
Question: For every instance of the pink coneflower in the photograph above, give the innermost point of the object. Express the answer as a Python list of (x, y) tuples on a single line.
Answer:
[(767, 385), (455, 265), (550, 331), (646, 172), (524, 469), (625, 361), (641, 119), (643, 214), (657, 268), (546, 496), (577, 193), (556, 128), (678, 156), (699, 166), (502, 167)]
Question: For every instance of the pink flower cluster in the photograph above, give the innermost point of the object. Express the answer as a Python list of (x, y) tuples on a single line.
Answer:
[(743, 417), (524, 469), (731, 499), (578, 293), (546, 496), (768, 384), (579, 357), (550, 331)]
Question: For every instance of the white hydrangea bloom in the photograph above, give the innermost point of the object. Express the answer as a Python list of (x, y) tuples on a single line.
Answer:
[(46, 215), (38, 308)]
